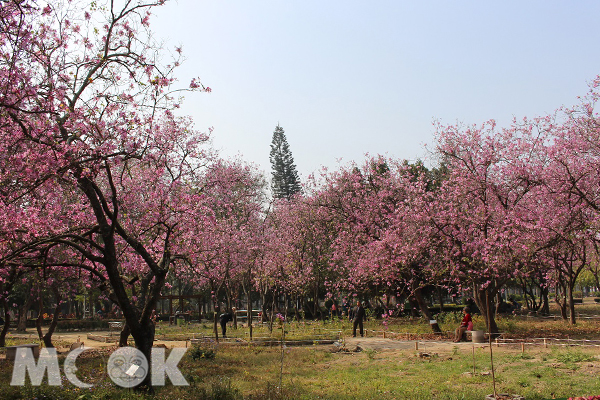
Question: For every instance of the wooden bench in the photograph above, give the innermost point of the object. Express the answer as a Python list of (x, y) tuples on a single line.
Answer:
[(11, 351)]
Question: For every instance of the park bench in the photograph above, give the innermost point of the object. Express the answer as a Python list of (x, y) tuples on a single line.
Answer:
[(115, 325), (11, 351)]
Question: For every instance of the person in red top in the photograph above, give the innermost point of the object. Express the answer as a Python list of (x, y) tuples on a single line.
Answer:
[(465, 325)]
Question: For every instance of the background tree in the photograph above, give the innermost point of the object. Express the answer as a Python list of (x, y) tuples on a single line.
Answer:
[(286, 182)]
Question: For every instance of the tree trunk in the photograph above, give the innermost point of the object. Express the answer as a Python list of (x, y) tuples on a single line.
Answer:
[(316, 313), (40, 318), (6, 325), (22, 324), (483, 300), (77, 306), (529, 295), (248, 293), (249, 319), (230, 307), (440, 298), (144, 340), (545, 308), (216, 311), (272, 313), (124, 335), (297, 307), (561, 300), (499, 301), (263, 317), (413, 307), (571, 303), (418, 295), (285, 309), (48, 336)]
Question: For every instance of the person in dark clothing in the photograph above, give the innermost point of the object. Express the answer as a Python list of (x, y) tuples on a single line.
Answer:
[(223, 320), (358, 317)]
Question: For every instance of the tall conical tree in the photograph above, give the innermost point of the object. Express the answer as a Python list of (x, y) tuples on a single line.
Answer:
[(285, 181)]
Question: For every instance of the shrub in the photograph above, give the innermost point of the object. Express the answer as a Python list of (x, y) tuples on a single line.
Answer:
[(205, 351), (448, 317), (574, 357), (223, 391), (82, 324)]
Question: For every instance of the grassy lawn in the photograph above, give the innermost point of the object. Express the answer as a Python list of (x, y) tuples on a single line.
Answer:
[(401, 328), (314, 372)]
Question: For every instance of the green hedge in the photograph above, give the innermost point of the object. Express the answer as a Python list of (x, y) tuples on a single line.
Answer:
[(71, 324)]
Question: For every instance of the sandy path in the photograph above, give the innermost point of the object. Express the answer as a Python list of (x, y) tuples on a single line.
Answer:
[(71, 337), (380, 344)]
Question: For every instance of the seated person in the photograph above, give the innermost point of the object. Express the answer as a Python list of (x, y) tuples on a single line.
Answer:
[(465, 325)]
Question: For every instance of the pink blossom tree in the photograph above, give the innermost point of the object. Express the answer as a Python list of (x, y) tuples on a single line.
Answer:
[(86, 110), (482, 211), (298, 257), (382, 242), (572, 185), (221, 252)]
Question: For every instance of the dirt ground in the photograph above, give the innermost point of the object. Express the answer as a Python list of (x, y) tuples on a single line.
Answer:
[(373, 343), (378, 344), (72, 337)]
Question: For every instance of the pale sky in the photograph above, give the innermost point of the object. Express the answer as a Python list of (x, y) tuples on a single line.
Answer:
[(345, 78)]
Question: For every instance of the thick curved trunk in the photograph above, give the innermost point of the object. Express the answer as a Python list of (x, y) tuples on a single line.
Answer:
[(483, 299), (418, 295), (144, 340), (47, 338)]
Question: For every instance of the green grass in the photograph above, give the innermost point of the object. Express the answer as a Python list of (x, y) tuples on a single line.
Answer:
[(512, 326), (313, 372)]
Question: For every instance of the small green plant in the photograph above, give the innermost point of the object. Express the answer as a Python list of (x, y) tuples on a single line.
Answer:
[(370, 313), (524, 356), (511, 326), (198, 352), (222, 390), (523, 383), (371, 353), (573, 356)]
